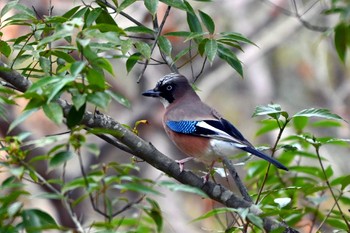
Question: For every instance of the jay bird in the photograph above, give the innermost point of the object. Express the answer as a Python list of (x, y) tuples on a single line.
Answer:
[(197, 129)]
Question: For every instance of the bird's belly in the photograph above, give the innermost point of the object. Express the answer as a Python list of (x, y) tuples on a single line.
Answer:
[(204, 149), (222, 148)]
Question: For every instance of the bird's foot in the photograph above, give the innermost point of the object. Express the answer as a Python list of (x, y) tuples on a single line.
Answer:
[(181, 162), (205, 178)]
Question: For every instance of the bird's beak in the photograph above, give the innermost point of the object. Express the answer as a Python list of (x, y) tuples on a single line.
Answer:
[(151, 93)]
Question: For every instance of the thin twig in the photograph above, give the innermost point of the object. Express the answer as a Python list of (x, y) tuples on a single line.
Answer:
[(202, 68), (243, 190), (64, 200), (158, 29), (329, 213), (305, 23), (165, 57), (120, 12), (274, 149), (317, 148)]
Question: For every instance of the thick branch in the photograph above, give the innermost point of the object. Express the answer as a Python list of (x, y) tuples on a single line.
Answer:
[(14, 78)]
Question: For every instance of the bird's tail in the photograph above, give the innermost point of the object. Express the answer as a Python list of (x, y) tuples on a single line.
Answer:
[(266, 157)]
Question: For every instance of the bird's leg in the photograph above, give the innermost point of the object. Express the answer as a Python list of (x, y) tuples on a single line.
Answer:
[(181, 162)]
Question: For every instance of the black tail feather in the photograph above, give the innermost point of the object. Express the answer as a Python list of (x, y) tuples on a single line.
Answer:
[(265, 157)]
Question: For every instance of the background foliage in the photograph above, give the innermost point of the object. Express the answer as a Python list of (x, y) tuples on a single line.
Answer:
[(61, 179)]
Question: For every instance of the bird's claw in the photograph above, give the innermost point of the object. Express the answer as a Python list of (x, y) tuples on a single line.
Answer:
[(181, 162), (205, 178)]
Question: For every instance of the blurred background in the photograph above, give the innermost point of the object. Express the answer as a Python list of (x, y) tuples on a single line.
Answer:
[(294, 64)]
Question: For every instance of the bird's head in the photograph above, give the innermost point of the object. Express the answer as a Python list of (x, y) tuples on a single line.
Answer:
[(169, 88)]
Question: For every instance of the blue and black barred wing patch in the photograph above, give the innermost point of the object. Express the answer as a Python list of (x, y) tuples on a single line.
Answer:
[(205, 128), (185, 127), (195, 128)]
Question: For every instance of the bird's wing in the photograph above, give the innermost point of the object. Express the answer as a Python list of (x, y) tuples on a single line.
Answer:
[(220, 129), (216, 129)]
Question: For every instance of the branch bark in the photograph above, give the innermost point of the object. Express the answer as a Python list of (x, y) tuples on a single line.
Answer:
[(144, 150)]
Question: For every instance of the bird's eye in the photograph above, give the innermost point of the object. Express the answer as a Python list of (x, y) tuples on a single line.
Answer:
[(169, 88)]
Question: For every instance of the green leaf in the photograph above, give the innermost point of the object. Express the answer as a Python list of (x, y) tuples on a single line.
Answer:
[(23, 59), (211, 48), (59, 85), (125, 4), (144, 49), (337, 223), (63, 55), (37, 219), (10, 5), (126, 45), (197, 36), (178, 33), (35, 101), (78, 100), (14, 208), (103, 27), (267, 126), (96, 79), (300, 123), (60, 158), (45, 64), (21, 118), (208, 22), (92, 16), (71, 12), (310, 170), (132, 61), (231, 59), (165, 45), (74, 184), (215, 212), (40, 84), (193, 23), (256, 220), (119, 98), (155, 213), (5, 49), (317, 112), (182, 53), (201, 46), (106, 19), (75, 116), (179, 4), (272, 110), (182, 188), (152, 6), (136, 187), (104, 64), (326, 123), (22, 11), (93, 149), (139, 29), (54, 112), (236, 37), (341, 39), (77, 67), (344, 181), (100, 99)]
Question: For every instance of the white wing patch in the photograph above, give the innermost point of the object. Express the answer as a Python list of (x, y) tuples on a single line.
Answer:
[(221, 135)]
